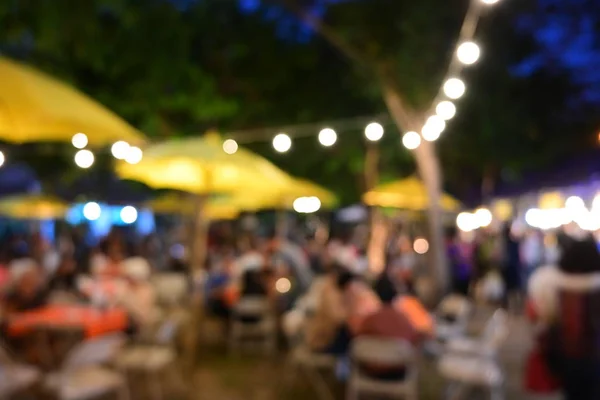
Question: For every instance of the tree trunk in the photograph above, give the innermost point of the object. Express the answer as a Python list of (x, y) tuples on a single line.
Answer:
[(429, 171)]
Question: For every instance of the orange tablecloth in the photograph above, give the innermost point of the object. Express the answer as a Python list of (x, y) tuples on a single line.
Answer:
[(91, 321)]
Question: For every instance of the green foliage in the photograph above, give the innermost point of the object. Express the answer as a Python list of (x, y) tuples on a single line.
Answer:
[(179, 71)]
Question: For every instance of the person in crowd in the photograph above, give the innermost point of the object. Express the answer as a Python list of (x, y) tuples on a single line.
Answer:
[(511, 271), (139, 298), (326, 329), (532, 254), (29, 291), (65, 276), (402, 265), (359, 299), (565, 301), (218, 283), (388, 320), (461, 257)]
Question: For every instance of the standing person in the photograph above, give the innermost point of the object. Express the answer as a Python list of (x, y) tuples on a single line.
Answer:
[(461, 256), (566, 302), (511, 272)]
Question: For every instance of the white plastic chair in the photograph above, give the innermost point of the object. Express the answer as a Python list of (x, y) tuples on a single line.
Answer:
[(385, 352), (171, 288), (488, 344), (14, 377), (459, 309), (153, 359), (473, 362), (82, 376), (263, 330)]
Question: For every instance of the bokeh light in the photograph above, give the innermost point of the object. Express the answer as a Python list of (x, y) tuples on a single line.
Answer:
[(327, 137), (283, 285), (282, 143), (84, 158), (129, 214), (134, 155), (92, 211), (230, 146), (421, 246), (454, 88), (468, 53), (120, 149), (374, 132), (445, 110), (411, 140), (79, 140)]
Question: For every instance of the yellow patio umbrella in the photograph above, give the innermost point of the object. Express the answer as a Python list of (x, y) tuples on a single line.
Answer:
[(36, 107), (282, 197), (200, 165), (178, 205), (409, 194), (33, 207)]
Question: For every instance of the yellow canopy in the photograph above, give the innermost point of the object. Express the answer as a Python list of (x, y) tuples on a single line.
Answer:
[(175, 204), (409, 194), (200, 165), (283, 197), (33, 207), (36, 107)]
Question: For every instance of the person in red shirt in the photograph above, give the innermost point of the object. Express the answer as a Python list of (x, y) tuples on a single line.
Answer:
[(388, 322)]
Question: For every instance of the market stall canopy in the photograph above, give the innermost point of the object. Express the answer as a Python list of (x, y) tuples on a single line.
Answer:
[(35, 107), (200, 165), (176, 204), (408, 194), (33, 206)]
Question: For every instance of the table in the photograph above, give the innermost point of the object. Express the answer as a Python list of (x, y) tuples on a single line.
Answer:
[(91, 321)]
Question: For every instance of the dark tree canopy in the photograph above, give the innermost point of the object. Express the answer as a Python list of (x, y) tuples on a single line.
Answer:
[(177, 68)]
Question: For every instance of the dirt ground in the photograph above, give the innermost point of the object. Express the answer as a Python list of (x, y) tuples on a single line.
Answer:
[(220, 376)]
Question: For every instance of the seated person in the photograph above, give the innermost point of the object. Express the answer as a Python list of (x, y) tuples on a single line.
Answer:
[(326, 329), (65, 276), (256, 283), (388, 322), (28, 293), (219, 287), (359, 298), (139, 298)]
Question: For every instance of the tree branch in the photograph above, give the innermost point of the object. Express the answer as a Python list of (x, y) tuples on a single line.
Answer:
[(326, 32)]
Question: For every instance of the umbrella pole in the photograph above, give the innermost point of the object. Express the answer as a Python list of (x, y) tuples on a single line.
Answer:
[(198, 255)]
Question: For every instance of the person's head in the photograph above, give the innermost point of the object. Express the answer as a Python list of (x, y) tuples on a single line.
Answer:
[(344, 279), (29, 282), (114, 252), (253, 283), (580, 256), (385, 289)]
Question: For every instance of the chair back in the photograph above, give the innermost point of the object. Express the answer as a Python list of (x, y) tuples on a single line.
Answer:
[(167, 332), (496, 330), (95, 351), (171, 288), (382, 351), (252, 306), (456, 306)]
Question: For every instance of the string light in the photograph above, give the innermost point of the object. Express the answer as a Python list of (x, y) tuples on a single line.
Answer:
[(445, 110), (84, 159), (454, 88), (134, 155), (119, 150), (230, 146), (79, 140), (282, 143), (490, 2), (468, 53), (2, 159), (433, 128), (411, 140), (327, 137), (374, 132)]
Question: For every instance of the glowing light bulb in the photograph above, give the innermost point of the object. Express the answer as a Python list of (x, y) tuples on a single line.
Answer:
[(454, 88), (282, 143), (327, 137), (230, 146), (468, 53), (374, 132)]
